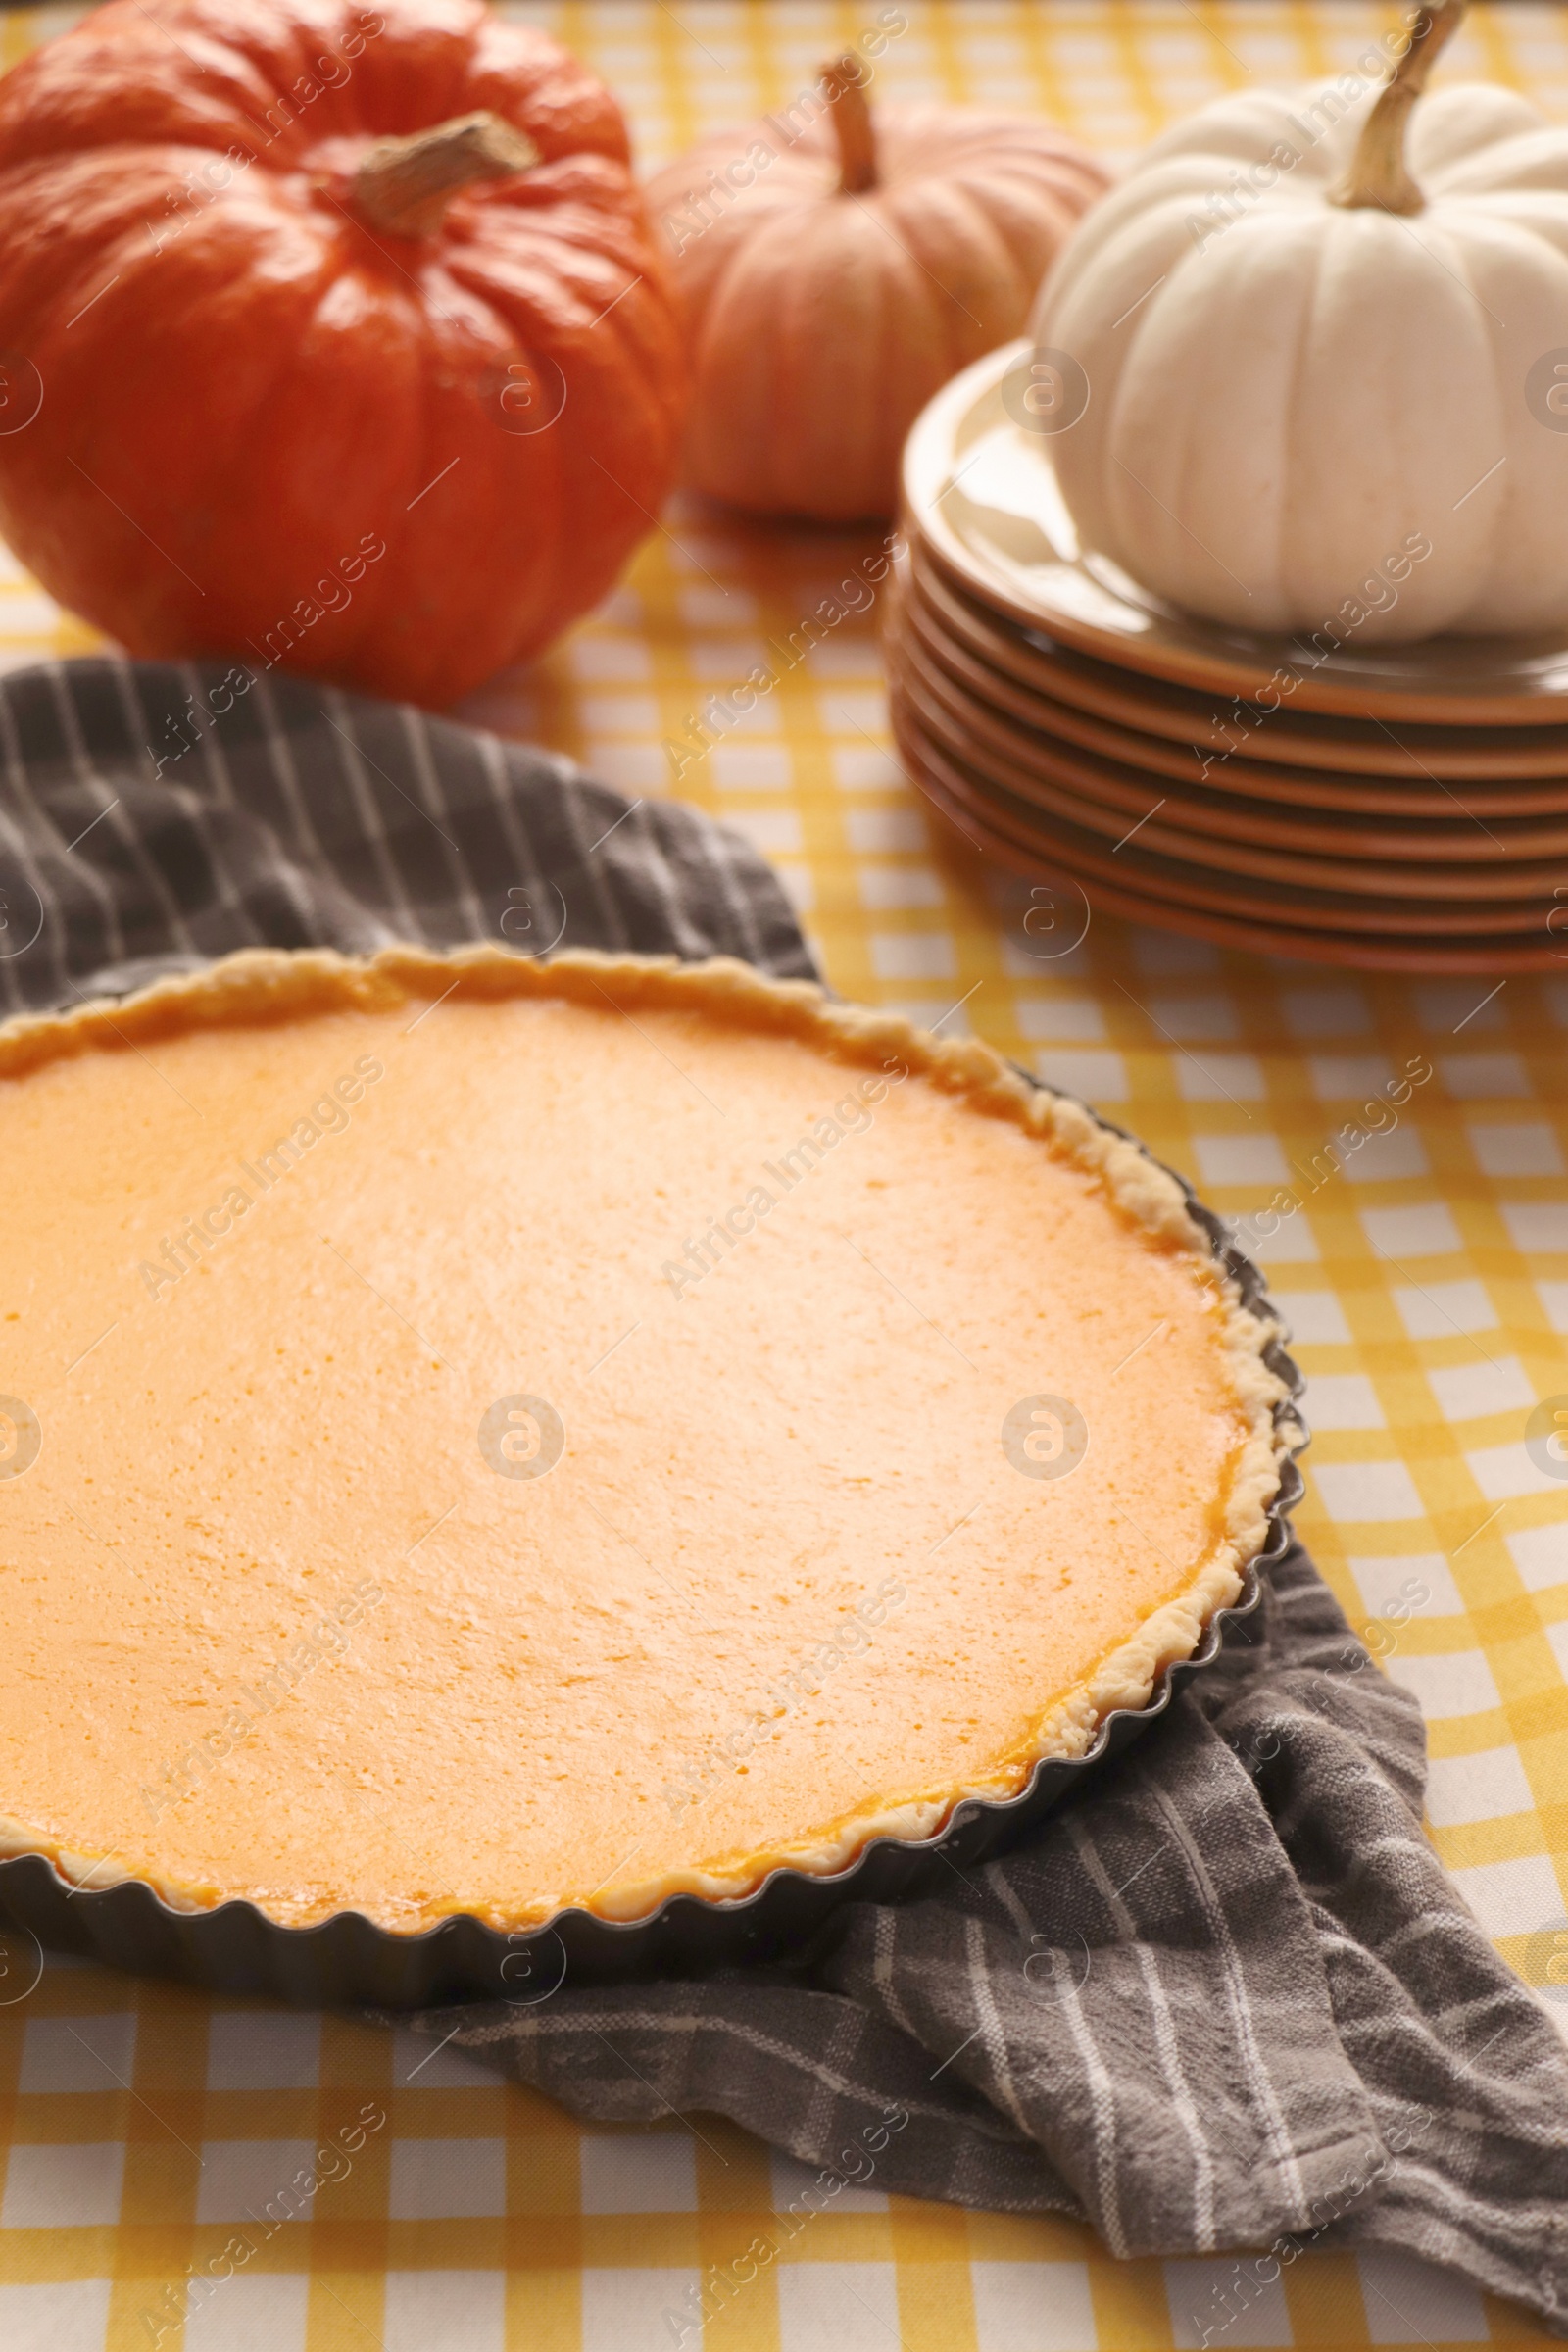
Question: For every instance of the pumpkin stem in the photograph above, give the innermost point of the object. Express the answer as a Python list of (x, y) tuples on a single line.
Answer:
[(402, 186), (1378, 177), (845, 93)]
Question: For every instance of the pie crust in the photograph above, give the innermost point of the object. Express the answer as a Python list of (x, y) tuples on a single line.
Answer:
[(664, 1603)]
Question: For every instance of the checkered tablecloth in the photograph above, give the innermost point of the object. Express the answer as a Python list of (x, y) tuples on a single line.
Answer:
[(143, 2128)]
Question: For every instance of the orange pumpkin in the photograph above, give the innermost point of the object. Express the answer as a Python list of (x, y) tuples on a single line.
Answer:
[(838, 266), (332, 335)]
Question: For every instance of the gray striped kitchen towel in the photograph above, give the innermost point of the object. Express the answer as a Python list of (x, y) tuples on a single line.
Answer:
[(1225, 1998), (154, 814)]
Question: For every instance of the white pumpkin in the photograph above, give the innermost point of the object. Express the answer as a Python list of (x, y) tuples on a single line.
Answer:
[(1307, 363)]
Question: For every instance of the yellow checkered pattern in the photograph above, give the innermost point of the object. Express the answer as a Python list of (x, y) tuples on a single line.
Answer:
[(142, 2124)]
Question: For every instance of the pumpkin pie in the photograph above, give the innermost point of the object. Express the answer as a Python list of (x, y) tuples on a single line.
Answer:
[(482, 1437)]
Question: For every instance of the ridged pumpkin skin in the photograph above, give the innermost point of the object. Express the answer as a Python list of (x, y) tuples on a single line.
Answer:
[(243, 389), (1309, 390), (825, 321)]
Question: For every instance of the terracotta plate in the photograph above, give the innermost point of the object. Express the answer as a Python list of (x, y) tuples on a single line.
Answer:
[(1023, 759), (1145, 810), (1410, 791), (1169, 877), (1249, 930), (980, 489), (1248, 921)]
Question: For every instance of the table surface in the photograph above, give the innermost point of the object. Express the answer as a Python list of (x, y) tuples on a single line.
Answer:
[(1427, 1282)]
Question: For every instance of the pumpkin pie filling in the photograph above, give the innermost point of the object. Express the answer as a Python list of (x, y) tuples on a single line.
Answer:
[(481, 1437)]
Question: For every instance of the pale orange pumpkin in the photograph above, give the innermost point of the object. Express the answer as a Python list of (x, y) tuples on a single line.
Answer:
[(838, 265)]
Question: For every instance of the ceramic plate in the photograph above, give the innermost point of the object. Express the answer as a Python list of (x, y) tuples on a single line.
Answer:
[(1120, 794), (980, 489), (1248, 921), (1414, 790), (1144, 811), (1170, 876), (1216, 723)]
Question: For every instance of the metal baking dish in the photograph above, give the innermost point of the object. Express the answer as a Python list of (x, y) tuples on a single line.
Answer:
[(235, 1948)]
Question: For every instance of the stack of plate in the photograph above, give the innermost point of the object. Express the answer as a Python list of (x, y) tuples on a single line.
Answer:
[(1394, 806)]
